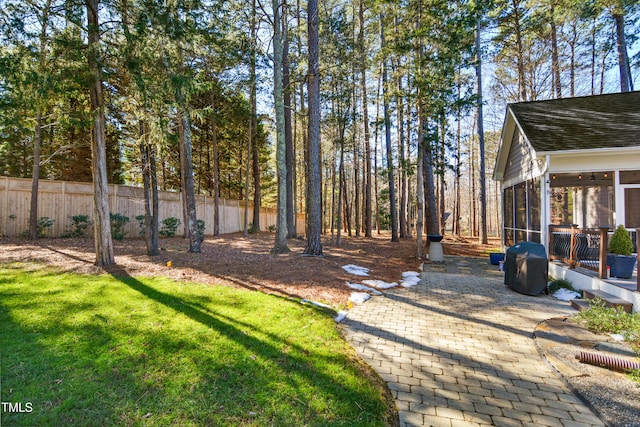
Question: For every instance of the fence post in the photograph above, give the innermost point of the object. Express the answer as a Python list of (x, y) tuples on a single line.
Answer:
[(604, 245)]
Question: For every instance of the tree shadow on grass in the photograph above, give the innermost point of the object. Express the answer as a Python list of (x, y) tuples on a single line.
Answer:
[(87, 358), (301, 370), (38, 367)]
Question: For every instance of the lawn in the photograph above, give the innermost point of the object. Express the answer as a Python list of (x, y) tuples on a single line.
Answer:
[(108, 350)]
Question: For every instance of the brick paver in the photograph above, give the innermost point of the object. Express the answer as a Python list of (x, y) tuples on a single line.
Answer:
[(457, 350)]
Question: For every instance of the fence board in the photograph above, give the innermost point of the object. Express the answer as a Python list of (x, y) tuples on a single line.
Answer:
[(60, 200)]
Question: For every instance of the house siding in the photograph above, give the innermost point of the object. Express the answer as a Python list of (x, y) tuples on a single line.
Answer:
[(519, 160)]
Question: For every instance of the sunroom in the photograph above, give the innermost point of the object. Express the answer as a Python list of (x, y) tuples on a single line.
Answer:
[(570, 173)]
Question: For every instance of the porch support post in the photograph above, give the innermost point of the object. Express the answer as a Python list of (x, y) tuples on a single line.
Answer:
[(545, 203), (604, 245), (638, 259), (618, 197), (573, 251)]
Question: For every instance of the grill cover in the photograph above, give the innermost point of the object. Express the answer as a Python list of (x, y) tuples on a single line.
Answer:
[(526, 268)]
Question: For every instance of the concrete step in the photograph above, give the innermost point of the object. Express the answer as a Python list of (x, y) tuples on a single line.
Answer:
[(609, 300)]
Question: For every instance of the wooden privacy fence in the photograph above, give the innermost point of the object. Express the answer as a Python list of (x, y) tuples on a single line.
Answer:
[(60, 200)]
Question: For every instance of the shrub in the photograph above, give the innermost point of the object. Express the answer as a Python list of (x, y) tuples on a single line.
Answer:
[(118, 221), (79, 226), (556, 284), (142, 224), (201, 228), (169, 226), (621, 243), (44, 225), (602, 319)]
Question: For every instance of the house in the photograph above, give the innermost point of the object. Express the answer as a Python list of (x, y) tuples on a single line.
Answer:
[(571, 161)]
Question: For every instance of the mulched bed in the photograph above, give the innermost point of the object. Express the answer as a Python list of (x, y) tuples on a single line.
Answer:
[(244, 262)]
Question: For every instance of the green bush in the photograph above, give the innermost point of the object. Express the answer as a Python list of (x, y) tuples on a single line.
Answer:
[(602, 319), (79, 226), (621, 243), (169, 226), (556, 284), (201, 228), (142, 225), (118, 221), (44, 225)]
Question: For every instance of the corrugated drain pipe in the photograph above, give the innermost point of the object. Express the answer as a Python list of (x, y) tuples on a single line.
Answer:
[(609, 362)]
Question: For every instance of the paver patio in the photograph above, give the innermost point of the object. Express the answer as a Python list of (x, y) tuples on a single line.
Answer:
[(458, 350)]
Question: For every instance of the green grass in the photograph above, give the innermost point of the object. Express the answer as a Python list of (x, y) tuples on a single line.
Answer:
[(601, 319), (105, 350)]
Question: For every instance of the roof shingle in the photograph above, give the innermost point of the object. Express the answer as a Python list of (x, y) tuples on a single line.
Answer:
[(582, 123)]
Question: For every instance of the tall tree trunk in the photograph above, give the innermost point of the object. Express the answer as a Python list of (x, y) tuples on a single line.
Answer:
[(247, 179), (155, 200), (431, 207), (102, 224), (387, 125), (572, 72), (35, 178), (186, 150), (252, 119), (280, 243), (472, 183), (555, 62), (483, 181), (37, 142), (420, 189), (333, 195), (365, 122), (519, 51), (356, 150), (626, 85), (314, 178), (457, 171), (339, 201), (592, 46), (257, 191), (150, 193), (288, 130), (216, 166), (401, 157), (375, 157), (441, 182), (346, 203)]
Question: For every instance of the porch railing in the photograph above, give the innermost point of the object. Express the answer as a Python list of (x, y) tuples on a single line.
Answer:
[(586, 248)]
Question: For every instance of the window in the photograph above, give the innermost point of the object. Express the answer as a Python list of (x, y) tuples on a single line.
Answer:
[(520, 204), (632, 207), (522, 209)]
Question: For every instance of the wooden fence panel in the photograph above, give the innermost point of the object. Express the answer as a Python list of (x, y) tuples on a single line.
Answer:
[(17, 208), (61, 200)]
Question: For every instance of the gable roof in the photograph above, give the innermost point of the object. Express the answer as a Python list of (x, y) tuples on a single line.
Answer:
[(568, 124), (583, 123)]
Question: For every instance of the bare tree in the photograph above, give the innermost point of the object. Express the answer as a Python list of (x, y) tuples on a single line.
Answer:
[(480, 128), (387, 126)]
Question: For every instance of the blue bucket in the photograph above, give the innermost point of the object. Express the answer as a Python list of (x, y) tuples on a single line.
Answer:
[(496, 257)]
